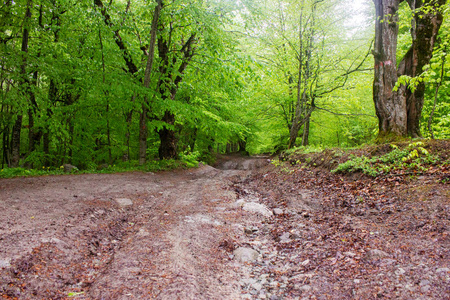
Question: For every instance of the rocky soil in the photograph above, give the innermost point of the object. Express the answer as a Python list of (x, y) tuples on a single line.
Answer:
[(242, 230)]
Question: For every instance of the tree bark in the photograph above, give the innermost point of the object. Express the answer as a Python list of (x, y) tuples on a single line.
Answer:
[(15, 138), (168, 88), (305, 139), (34, 135), (305, 99), (168, 138), (143, 131), (399, 111)]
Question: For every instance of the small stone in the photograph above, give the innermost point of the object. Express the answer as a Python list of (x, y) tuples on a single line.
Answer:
[(306, 262), (4, 264), (277, 211), (424, 282), (123, 202), (350, 254), (250, 230), (443, 270), (240, 203), (357, 281), (257, 286), (274, 284), (375, 254), (305, 288), (102, 167), (400, 271), (143, 233), (387, 262), (285, 238), (257, 208), (425, 288), (68, 168), (245, 254)]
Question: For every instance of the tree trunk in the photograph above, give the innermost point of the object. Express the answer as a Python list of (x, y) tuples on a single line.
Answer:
[(34, 135), (424, 32), (168, 146), (15, 142), (305, 139), (168, 138), (305, 99), (143, 131), (15, 138), (399, 111), (390, 108), (128, 119)]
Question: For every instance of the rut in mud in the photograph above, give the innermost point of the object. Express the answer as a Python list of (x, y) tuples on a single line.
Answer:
[(242, 230)]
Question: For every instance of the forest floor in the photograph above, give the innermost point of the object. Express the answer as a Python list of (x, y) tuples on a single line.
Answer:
[(244, 229)]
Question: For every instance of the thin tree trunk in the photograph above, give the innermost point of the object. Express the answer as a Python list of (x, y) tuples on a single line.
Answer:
[(143, 130), (293, 133), (6, 153), (15, 137), (305, 139), (302, 112), (128, 120), (15, 142), (436, 92), (34, 135), (108, 127)]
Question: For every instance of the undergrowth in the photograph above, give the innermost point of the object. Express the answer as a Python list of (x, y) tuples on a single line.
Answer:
[(414, 158), (187, 161)]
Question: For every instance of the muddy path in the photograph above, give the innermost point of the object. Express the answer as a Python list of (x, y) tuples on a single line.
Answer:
[(122, 236), (240, 230)]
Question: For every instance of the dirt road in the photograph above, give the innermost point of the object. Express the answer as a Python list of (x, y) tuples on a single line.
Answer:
[(242, 230), (123, 236)]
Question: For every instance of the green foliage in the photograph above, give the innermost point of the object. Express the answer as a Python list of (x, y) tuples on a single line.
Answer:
[(74, 89), (414, 157), (22, 172), (188, 161), (191, 159)]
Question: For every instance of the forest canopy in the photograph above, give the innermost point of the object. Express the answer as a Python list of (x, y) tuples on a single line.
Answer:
[(105, 82)]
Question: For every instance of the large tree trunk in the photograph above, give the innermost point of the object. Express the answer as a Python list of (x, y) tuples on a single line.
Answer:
[(168, 137), (169, 141), (399, 111), (424, 31), (390, 106)]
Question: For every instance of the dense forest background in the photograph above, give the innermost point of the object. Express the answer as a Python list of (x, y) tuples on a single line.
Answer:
[(129, 82)]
